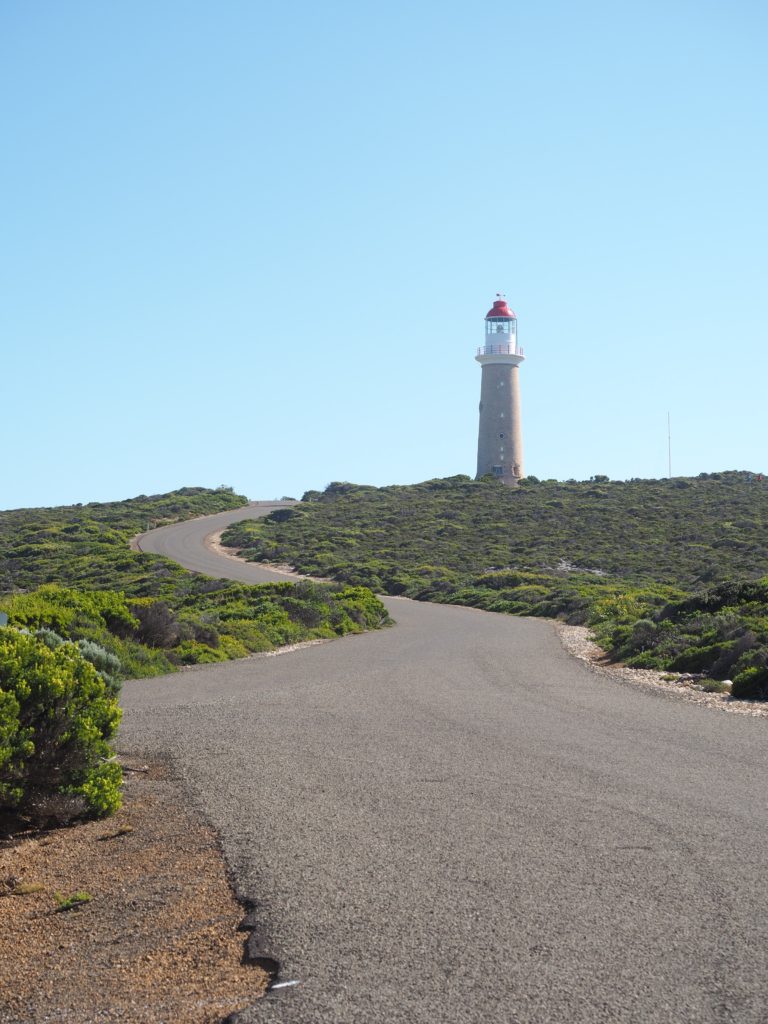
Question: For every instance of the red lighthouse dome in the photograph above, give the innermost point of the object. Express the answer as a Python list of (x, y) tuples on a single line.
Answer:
[(500, 310)]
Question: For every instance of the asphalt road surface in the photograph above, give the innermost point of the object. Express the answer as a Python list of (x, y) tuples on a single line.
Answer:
[(454, 821)]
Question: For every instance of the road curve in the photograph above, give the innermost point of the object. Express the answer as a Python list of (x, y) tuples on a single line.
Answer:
[(454, 821)]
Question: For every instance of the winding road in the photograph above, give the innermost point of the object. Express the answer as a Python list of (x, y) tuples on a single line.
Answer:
[(455, 821)]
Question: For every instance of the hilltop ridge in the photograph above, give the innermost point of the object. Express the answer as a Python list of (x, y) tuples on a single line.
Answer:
[(686, 531)]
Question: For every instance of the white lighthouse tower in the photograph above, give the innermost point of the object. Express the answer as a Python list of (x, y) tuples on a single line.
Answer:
[(500, 439)]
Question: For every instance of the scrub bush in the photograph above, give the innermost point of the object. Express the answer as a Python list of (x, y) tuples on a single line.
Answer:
[(106, 664), (56, 716), (102, 660), (190, 652), (158, 626), (233, 648), (49, 638), (247, 632), (751, 684)]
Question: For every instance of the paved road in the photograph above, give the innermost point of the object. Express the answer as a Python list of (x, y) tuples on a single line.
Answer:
[(454, 821)]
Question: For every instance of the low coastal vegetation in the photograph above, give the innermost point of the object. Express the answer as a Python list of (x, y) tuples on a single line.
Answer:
[(670, 574), (85, 612), (57, 714)]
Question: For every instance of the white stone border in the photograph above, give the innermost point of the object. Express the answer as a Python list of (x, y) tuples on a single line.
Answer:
[(579, 642)]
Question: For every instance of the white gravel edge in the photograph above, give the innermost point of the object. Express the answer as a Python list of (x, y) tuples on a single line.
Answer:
[(579, 642)]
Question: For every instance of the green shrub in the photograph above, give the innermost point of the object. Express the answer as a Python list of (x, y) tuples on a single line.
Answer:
[(157, 624), (233, 648), (56, 716), (204, 632), (751, 684), (644, 633), (103, 661), (714, 686), (248, 633), (65, 610), (106, 664), (193, 653), (362, 607), (698, 659), (49, 638)]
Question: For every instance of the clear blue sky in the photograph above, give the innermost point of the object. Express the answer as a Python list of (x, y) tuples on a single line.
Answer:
[(253, 242)]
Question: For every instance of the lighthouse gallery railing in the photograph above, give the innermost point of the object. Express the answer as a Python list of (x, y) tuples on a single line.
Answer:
[(500, 350)]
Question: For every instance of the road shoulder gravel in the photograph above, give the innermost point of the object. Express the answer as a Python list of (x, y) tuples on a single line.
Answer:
[(579, 642), (157, 938)]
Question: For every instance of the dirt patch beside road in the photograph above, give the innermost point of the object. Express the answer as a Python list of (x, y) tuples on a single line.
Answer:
[(213, 543), (157, 940)]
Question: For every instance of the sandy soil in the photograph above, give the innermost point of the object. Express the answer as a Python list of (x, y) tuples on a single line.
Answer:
[(157, 941)]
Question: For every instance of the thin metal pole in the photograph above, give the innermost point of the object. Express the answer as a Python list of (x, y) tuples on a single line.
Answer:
[(669, 444)]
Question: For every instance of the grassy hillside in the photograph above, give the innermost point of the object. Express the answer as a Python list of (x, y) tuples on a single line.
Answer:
[(87, 545), (683, 532), (68, 572), (666, 571)]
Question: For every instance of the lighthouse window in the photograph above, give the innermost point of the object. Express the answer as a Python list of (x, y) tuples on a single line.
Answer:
[(497, 470), (501, 435), (498, 327)]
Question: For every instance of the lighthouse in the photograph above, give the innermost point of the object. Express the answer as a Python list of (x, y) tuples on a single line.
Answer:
[(500, 439)]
